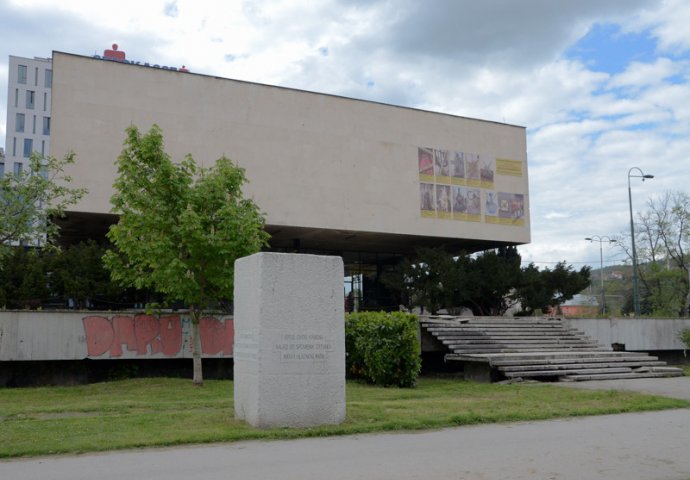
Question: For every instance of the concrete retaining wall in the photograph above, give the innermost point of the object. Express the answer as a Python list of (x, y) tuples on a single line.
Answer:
[(36, 335), (643, 334)]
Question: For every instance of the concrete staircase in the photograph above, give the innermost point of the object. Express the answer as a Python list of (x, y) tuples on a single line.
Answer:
[(498, 348)]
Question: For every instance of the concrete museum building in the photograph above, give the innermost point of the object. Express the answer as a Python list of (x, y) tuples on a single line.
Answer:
[(368, 181)]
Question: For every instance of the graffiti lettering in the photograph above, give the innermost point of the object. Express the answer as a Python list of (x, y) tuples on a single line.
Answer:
[(149, 335)]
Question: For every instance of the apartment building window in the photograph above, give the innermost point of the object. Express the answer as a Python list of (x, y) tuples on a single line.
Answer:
[(21, 74), (14, 146), (19, 123), (33, 129), (36, 77), (43, 147), (16, 97), (49, 79), (45, 101), (28, 147), (46, 125), (30, 99), (17, 168)]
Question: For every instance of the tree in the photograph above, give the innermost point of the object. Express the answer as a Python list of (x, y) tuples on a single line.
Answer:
[(488, 283), (662, 233), (432, 280), (30, 198), (538, 290), (24, 279), (80, 277), (436, 279), (181, 227), (493, 274)]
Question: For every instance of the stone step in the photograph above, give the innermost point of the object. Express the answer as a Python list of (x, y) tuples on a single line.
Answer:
[(489, 320), (516, 340), (560, 361), (620, 376), (543, 347), (579, 366), (538, 348), (498, 350), (547, 355), (479, 333), (456, 336), (505, 326), (475, 321), (558, 373), (516, 332)]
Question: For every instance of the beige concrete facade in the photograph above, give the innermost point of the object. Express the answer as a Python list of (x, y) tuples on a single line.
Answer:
[(323, 168)]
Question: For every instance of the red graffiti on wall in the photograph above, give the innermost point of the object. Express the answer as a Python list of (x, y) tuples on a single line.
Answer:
[(147, 335)]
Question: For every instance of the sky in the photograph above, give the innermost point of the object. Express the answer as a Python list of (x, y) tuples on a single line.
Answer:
[(601, 86)]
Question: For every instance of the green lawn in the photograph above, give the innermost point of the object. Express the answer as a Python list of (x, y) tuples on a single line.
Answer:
[(164, 411)]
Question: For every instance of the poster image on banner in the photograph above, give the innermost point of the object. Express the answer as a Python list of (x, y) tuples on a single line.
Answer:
[(443, 208), (425, 160), (491, 204), (472, 169), (457, 168), (442, 166), (466, 204), (427, 201), (511, 208), (487, 167)]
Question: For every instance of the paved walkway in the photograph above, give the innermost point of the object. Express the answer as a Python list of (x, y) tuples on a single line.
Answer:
[(652, 445)]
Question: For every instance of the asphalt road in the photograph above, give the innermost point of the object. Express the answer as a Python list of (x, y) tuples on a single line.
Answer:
[(652, 445)]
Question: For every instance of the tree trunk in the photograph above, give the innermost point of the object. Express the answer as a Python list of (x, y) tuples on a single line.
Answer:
[(198, 379)]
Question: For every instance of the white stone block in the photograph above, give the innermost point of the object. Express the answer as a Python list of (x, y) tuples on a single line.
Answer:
[(289, 352)]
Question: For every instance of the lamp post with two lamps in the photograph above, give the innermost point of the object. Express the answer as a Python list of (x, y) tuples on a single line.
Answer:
[(601, 240), (636, 287)]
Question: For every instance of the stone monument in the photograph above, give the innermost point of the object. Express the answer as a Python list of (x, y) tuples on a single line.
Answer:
[(289, 351)]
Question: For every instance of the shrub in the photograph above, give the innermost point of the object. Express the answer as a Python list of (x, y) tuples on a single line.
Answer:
[(383, 348)]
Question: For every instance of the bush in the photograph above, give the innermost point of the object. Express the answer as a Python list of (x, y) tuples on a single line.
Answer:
[(383, 348)]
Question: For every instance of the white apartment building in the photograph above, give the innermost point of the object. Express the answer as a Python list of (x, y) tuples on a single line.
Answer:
[(30, 83)]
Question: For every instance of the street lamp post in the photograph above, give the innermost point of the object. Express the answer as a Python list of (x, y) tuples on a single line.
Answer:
[(636, 287), (601, 240)]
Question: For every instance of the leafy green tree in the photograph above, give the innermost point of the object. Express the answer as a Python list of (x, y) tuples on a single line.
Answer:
[(24, 278), (566, 282), (437, 280), (493, 275), (181, 227), (488, 283), (538, 290), (79, 274), (30, 198), (432, 280), (532, 292)]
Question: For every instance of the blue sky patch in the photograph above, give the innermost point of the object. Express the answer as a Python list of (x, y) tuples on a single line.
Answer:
[(606, 49)]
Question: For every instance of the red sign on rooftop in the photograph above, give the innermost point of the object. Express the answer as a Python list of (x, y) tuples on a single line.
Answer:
[(115, 55)]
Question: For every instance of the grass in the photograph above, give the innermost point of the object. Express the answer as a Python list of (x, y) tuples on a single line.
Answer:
[(164, 411)]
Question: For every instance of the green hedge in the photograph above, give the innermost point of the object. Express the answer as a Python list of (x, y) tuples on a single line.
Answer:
[(383, 348)]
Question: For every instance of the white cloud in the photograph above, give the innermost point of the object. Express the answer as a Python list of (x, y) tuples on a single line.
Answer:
[(500, 60)]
